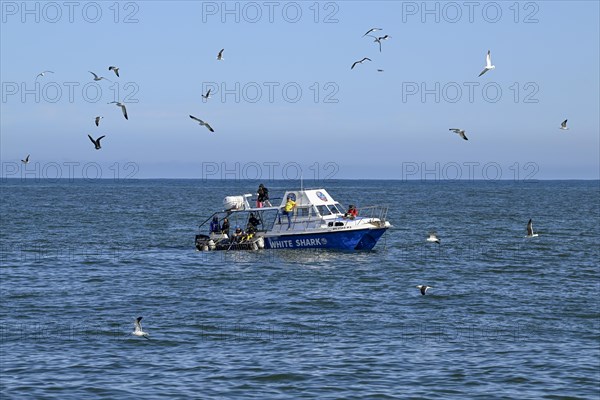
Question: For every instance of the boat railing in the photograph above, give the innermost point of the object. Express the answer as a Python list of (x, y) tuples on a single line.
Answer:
[(370, 212)]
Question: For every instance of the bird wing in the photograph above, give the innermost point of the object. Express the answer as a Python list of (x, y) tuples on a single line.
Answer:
[(353, 65), (462, 134), (95, 76), (92, 139), (488, 59), (483, 72), (530, 228), (208, 93), (564, 123), (124, 111), (379, 41), (97, 121), (209, 127), (197, 119), (98, 140), (366, 58), (454, 130)]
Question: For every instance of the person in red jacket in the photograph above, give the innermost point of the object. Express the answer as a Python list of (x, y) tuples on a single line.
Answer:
[(351, 213)]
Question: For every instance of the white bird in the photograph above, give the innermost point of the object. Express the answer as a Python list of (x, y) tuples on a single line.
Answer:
[(138, 328), (371, 30), (488, 63), (97, 120), (207, 95), (424, 288), (96, 142), (563, 126), (530, 229), (359, 62), (433, 238), (115, 69), (43, 73), (98, 78), (220, 55), (202, 123), (460, 132), (26, 160), (123, 108)]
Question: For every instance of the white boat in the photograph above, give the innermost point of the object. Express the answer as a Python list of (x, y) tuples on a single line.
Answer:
[(317, 221)]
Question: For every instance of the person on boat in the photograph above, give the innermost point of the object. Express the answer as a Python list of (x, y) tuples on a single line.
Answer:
[(263, 196), (238, 234), (351, 213), (214, 225), (253, 221), (225, 227), (288, 209)]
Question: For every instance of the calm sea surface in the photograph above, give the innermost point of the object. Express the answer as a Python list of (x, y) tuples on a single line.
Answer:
[(508, 317)]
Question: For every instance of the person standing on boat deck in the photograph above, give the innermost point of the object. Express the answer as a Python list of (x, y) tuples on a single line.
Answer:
[(214, 225), (225, 227), (287, 210), (263, 196)]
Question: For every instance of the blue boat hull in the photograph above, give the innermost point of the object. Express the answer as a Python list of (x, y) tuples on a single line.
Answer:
[(363, 239)]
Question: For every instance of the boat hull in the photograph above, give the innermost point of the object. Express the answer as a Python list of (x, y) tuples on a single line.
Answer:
[(356, 239)]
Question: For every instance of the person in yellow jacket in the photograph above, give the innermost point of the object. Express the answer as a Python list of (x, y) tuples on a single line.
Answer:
[(288, 209)]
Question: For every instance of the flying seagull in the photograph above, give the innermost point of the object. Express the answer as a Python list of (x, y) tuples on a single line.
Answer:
[(424, 288), (433, 238), (530, 229), (220, 55), (43, 73), (207, 95), (379, 39), (202, 123), (379, 70), (119, 104), (96, 142), (115, 69), (563, 126), (98, 78), (138, 328), (460, 132), (488, 63), (371, 30), (359, 62), (97, 120), (26, 160)]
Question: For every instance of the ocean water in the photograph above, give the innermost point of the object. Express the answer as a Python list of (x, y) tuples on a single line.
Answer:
[(507, 317)]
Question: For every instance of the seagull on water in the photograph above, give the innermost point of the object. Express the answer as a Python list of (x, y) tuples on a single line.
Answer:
[(43, 73), (488, 63), (98, 78), (220, 55), (96, 142), (115, 69), (138, 328), (26, 160), (530, 229), (563, 126), (424, 288), (460, 132), (359, 62), (207, 95), (202, 123), (371, 30), (433, 238), (97, 120), (119, 104)]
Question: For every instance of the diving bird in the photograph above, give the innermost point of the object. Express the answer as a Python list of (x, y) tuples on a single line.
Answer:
[(96, 142), (530, 229), (379, 39), (26, 160), (43, 73), (115, 69), (98, 78), (359, 62), (220, 55), (138, 328), (202, 123), (371, 30), (123, 108), (207, 95), (433, 238), (424, 288), (460, 132), (488, 63), (563, 126), (97, 120)]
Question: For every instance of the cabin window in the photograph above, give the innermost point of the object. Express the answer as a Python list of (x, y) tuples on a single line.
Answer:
[(302, 211), (323, 210), (334, 209)]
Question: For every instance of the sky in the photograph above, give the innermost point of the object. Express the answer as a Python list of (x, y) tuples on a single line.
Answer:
[(285, 102)]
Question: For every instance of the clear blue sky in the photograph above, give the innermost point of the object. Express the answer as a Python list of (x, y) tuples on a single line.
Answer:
[(358, 123)]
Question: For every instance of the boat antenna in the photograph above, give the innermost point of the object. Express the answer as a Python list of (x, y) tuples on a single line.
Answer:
[(301, 182)]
